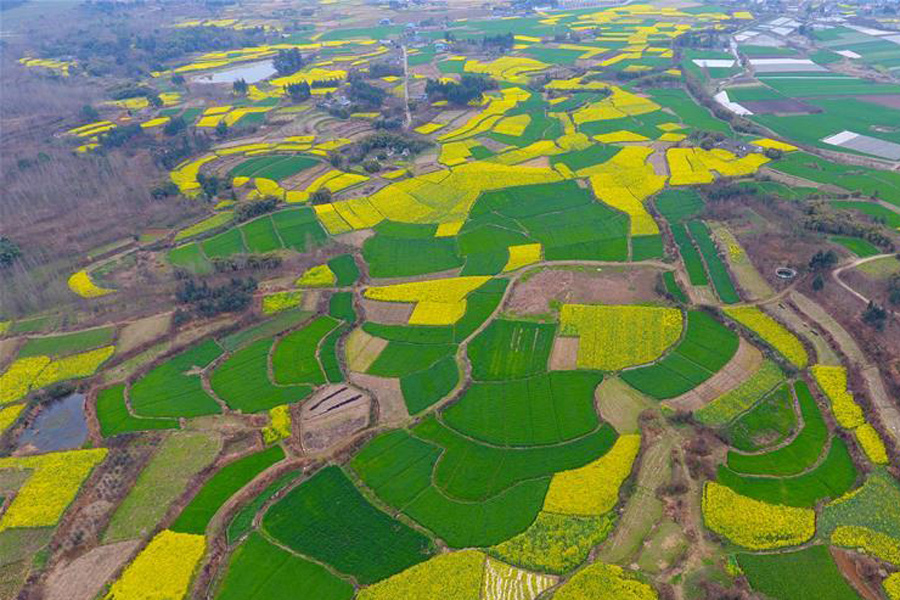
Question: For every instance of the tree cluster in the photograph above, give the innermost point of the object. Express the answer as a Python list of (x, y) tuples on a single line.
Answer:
[(208, 301), (288, 61), (469, 88)]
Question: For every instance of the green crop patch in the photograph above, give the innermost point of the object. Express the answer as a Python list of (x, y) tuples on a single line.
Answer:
[(767, 423), (399, 359), (299, 229), (830, 479), (112, 412), (259, 570), (398, 468), (345, 270), (260, 235), (731, 404), (590, 156), (340, 306), (857, 246), (327, 518), (672, 288), (220, 487), (295, 358), (875, 505), (328, 355), (472, 471), (399, 250), (647, 247), (242, 523), (876, 212), (191, 258), (707, 347), (179, 458), (271, 327), (242, 381), (807, 573), (68, 343), (510, 350), (541, 410), (794, 457), (423, 389), (174, 389), (715, 266), (224, 244)]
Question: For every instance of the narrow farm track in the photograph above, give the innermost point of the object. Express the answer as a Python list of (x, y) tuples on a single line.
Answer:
[(836, 274), (643, 509), (887, 411)]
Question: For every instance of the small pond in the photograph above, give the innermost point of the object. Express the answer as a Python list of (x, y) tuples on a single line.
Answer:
[(250, 72), (61, 425)]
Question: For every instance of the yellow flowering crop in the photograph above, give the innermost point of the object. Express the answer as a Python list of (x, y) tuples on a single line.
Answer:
[(871, 444), (75, 366), (446, 196), (454, 153), (672, 137), (833, 381), (451, 576), (614, 337), (872, 542), (91, 129), (529, 152), (331, 220), (507, 68), (8, 415), (81, 284), (55, 480), (505, 582), (772, 332), (620, 136), (345, 180), (892, 586), (522, 255), (754, 524), (318, 276), (16, 381), (513, 125), (624, 182), (594, 488), (618, 105), (428, 128), (155, 122), (279, 426), (689, 166), (163, 570), (600, 581), (438, 301), (279, 301), (770, 143)]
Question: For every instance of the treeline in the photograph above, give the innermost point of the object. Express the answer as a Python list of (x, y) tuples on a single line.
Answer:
[(819, 216), (469, 88), (101, 51), (207, 301)]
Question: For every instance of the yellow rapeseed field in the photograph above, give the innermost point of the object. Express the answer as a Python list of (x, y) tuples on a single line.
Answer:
[(772, 332), (594, 488), (80, 283), (614, 337), (163, 570), (754, 524), (54, 481)]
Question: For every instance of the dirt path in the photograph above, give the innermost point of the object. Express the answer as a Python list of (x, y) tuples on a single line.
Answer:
[(836, 274), (887, 411), (406, 89), (643, 509)]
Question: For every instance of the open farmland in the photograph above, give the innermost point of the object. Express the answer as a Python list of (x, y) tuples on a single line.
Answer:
[(354, 300)]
